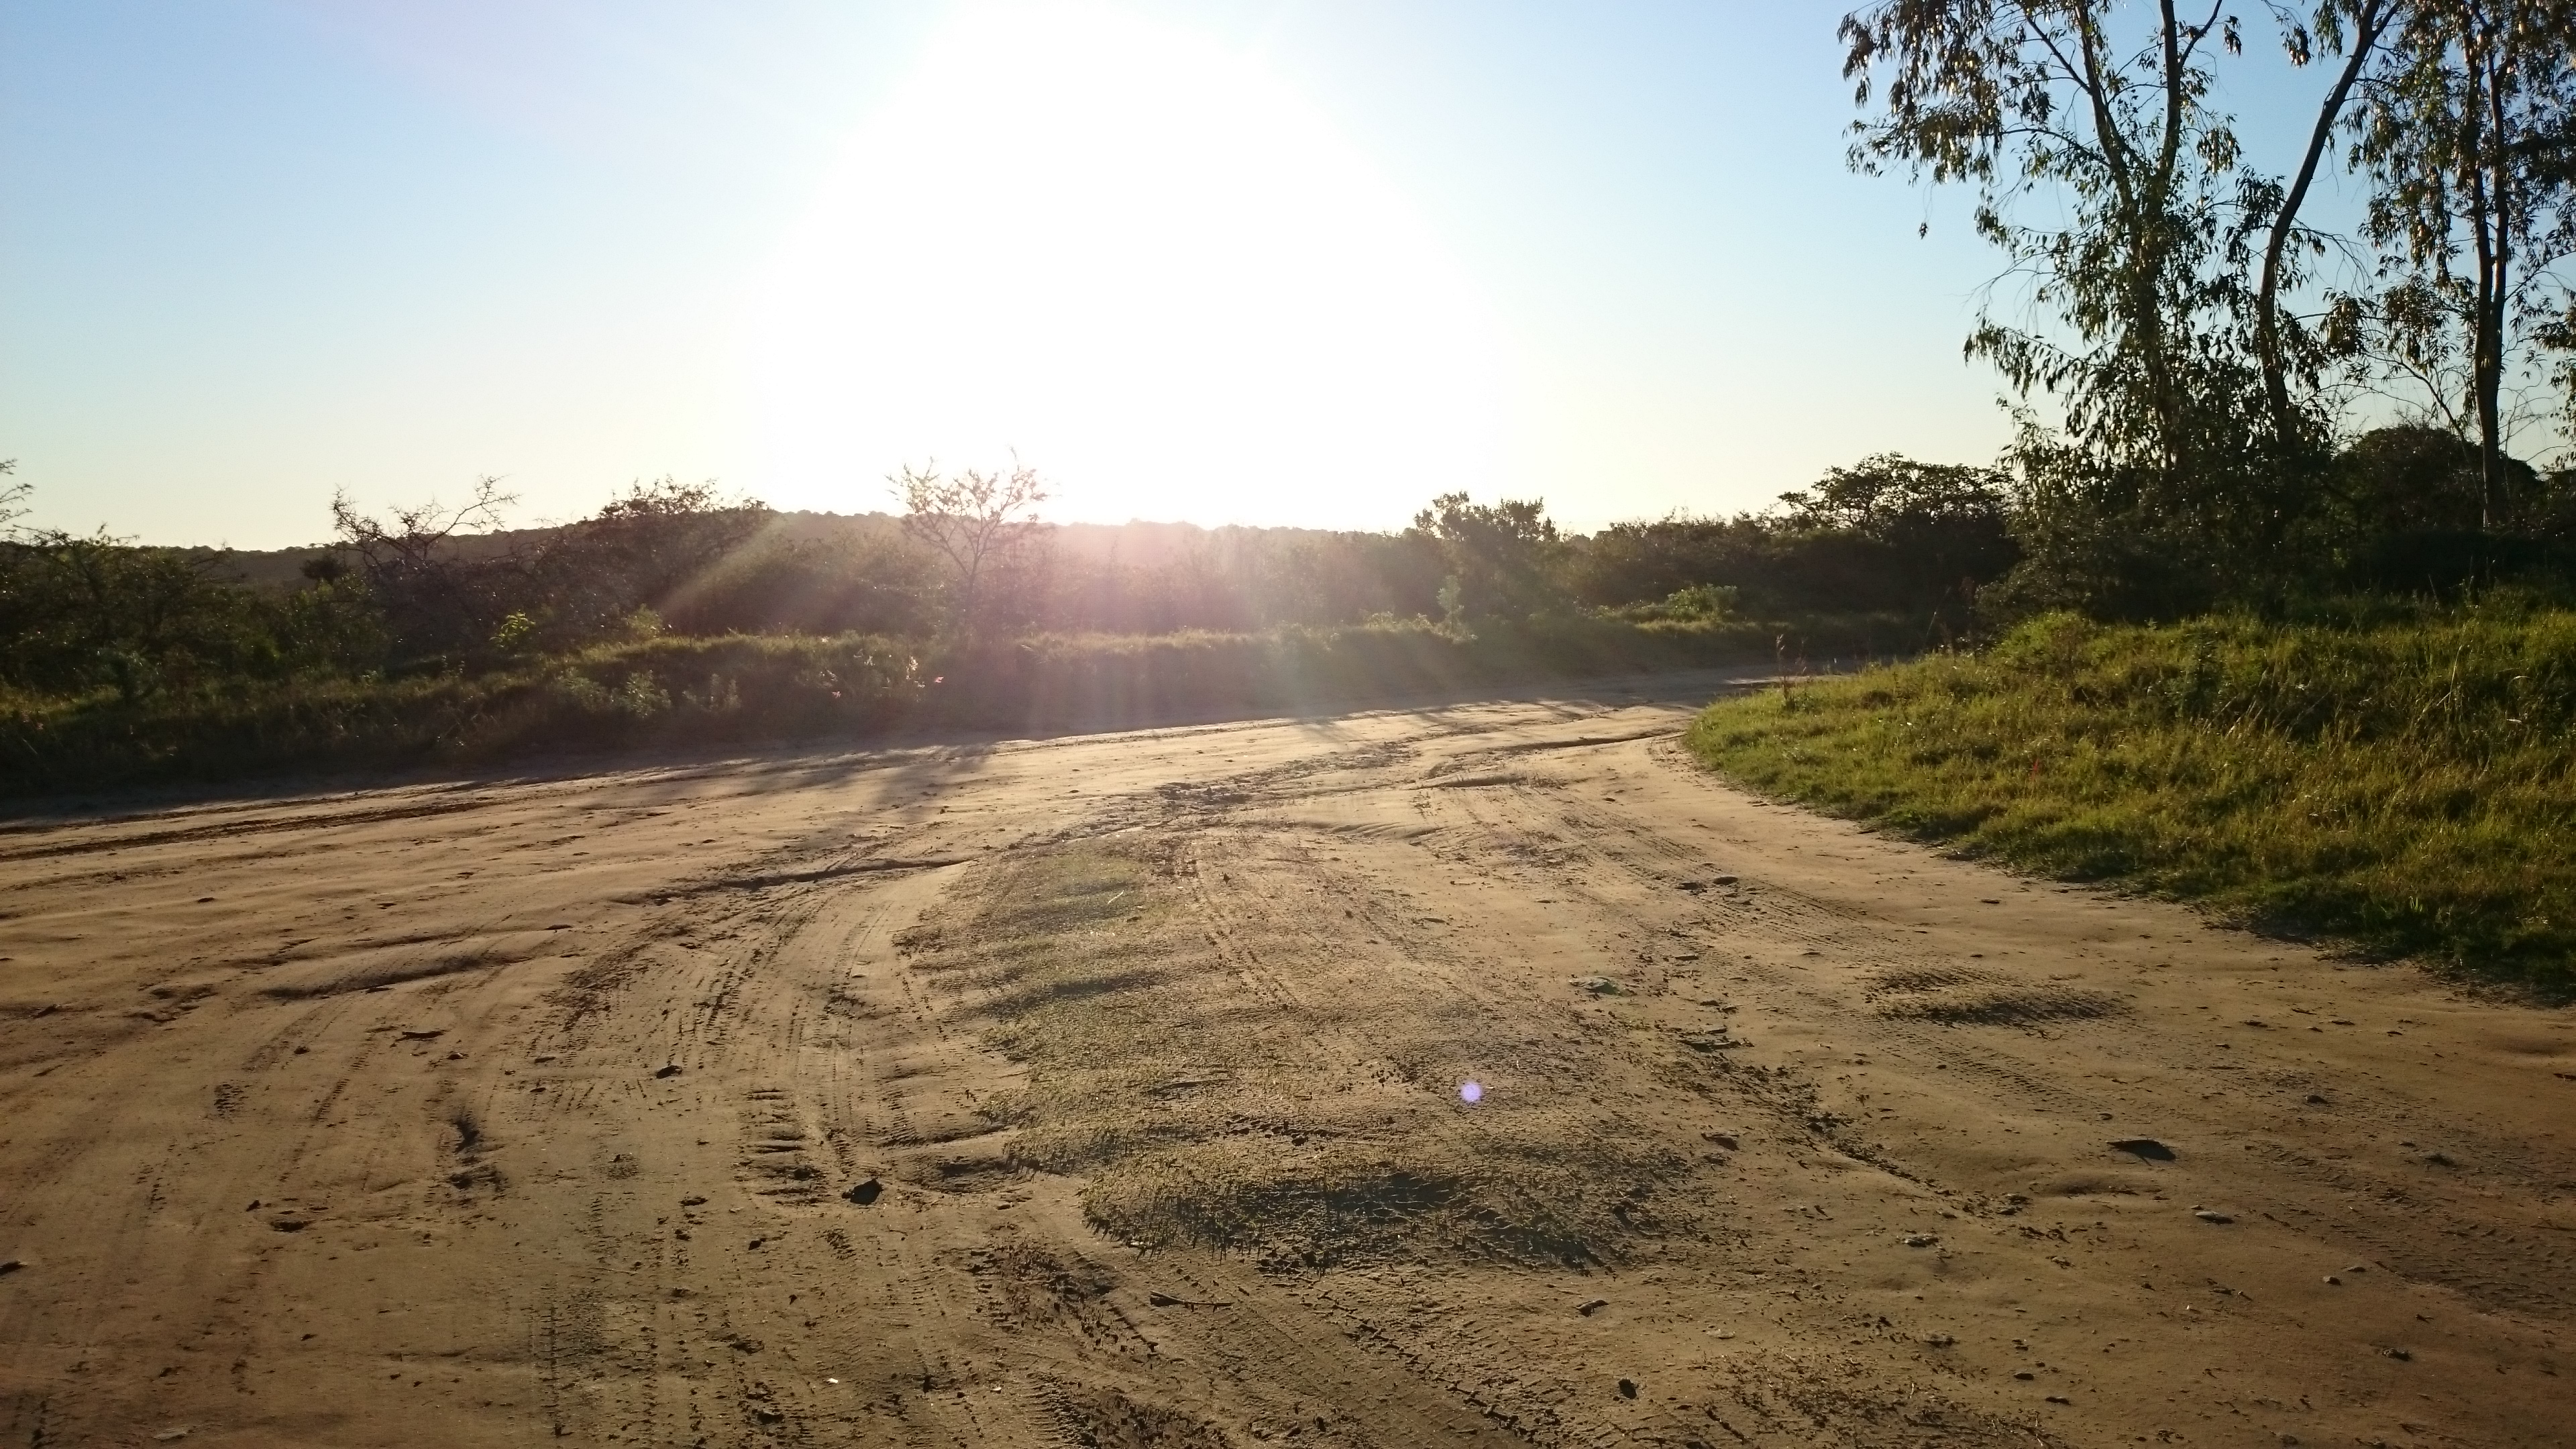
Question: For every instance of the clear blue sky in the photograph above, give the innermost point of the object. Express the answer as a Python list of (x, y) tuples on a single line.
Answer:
[(1301, 261)]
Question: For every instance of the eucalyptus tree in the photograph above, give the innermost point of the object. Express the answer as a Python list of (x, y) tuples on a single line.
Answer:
[(2103, 175), (2470, 139)]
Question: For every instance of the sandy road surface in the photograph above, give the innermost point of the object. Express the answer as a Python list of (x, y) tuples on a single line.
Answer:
[(1107, 1091)]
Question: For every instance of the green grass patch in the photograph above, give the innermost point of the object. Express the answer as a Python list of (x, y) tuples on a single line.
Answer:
[(2401, 782)]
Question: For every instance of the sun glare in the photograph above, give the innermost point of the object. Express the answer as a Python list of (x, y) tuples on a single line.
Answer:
[(1126, 252)]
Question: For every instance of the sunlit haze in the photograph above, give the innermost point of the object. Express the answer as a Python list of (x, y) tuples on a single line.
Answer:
[(1129, 255), (1220, 262)]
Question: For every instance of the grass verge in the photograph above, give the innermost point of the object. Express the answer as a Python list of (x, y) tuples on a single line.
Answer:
[(678, 692), (664, 692), (2401, 782)]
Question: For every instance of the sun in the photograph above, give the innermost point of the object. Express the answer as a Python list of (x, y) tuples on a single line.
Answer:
[(1127, 253)]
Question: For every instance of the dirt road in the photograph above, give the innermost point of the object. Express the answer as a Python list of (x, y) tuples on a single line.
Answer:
[(1115, 1090)]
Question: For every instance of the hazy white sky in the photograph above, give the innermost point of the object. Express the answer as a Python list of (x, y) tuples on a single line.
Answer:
[(1298, 261)]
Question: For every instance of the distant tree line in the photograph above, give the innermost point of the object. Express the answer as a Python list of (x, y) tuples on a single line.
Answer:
[(1923, 553), (443, 588)]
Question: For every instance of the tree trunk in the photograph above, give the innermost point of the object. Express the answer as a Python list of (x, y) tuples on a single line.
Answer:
[(2486, 164), (2368, 23)]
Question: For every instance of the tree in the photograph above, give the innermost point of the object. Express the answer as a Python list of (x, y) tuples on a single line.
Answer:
[(979, 524), (2402, 480), (1935, 532), (80, 611), (2039, 96), (433, 598), (2471, 141), (1503, 559), (655, 547)]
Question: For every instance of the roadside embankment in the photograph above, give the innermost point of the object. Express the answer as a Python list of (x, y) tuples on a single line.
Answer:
[(681, 693), (2402, 781)]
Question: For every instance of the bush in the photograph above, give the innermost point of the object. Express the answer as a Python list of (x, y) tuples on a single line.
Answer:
[(1697, 604)]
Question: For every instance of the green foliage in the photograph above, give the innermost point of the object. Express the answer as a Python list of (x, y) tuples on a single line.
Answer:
[(418, 638), (2394, 775), (1504, 559), (450, 594), (2135, 250), (1694, 604), (434, 596), (1887, 536), (2177, 404), (1930, 534), (2472, 207), (665, 692), (645, 554), (514, 634), (83, 612)]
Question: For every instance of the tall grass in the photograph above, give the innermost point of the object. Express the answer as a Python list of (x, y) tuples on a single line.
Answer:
[(674, 692), (2399, 779), (660, 692)]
